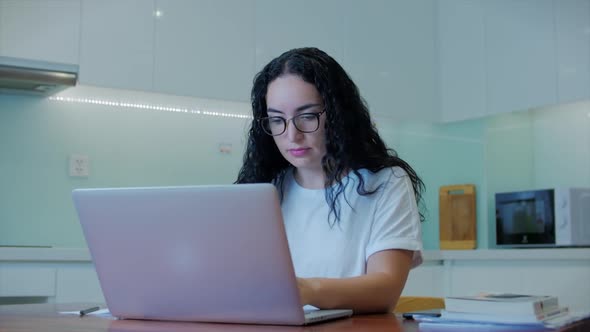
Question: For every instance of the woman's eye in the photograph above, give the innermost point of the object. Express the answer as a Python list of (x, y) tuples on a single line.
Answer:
[(307, 117), (275, 121)]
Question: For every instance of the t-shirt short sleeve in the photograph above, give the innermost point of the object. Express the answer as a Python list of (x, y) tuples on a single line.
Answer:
[(396, 220)]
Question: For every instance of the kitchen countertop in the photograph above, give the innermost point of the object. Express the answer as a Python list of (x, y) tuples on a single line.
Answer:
[(43, 254)]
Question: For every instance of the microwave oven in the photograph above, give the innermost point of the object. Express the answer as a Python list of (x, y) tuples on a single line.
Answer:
[(558, 217)]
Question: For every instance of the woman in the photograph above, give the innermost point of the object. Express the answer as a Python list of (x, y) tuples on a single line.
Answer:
[(349, 204)]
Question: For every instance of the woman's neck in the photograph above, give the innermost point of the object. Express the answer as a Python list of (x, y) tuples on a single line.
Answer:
[(310, 179)]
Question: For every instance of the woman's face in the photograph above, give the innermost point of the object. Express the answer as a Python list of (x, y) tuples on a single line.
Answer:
[(288, 96)]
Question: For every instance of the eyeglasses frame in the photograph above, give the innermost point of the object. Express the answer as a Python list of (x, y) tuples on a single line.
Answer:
[(286, 122)]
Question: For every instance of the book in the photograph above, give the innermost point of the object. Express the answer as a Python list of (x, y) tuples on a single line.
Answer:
[(429, 323), (512, 319), (502, 303)]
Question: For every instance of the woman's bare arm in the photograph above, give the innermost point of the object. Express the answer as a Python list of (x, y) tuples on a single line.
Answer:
[(376, 291)]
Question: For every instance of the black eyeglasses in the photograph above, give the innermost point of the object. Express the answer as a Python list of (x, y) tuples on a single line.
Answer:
[(304, 122)]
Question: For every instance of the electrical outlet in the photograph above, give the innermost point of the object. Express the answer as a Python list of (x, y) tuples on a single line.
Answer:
[(79, 165)]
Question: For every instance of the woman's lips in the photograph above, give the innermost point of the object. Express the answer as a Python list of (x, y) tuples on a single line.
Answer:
[(300, 152)]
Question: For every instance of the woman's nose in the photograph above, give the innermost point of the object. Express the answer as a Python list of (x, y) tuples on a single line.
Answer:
[(293, 134)]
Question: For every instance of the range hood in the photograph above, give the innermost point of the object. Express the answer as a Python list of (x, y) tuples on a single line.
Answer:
[(33, 77)]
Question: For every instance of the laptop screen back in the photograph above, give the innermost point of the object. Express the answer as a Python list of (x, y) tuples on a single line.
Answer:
[(194, 253)]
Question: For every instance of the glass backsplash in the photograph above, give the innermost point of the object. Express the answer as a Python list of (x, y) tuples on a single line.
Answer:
[(152, 146)]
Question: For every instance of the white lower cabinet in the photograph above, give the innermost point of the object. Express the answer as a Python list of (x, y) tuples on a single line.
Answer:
[(26, 280), (561, 272)]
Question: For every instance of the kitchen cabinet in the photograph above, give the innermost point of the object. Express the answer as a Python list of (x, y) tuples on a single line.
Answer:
[(426, 60), (572, 25), (323, 27), (26, 281), (504, 56), (521, 60), (205, 48), (66, 275), (461, 59), (391, 55), (117, 48), (387, 47), (40, 30)]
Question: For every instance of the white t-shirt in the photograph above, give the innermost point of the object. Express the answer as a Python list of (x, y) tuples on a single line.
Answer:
[(387, 219)]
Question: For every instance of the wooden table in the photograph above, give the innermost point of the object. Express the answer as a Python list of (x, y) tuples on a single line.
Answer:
[(46, 318)]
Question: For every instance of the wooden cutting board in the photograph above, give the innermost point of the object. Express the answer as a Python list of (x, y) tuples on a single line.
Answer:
[(457, 217)]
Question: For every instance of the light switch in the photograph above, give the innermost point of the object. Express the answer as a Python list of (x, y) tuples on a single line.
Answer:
[(225, 148)]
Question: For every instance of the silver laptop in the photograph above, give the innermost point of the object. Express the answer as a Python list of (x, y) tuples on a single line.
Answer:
[(194, 253)]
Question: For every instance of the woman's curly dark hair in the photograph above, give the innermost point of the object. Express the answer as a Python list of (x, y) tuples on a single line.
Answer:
[(352, 141)]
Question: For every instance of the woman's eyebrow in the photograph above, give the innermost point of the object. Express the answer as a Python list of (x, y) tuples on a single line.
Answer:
[(298, 109), (305, 107), (274, 111)]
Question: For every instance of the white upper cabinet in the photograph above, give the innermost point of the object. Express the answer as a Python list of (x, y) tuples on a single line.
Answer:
[(282, 25), (387, 47), (572, 20), (40, 30), (521, 59), (428, 60), (498, 56), (390, 54), (117, 43), (205, 48), (461, 59)]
